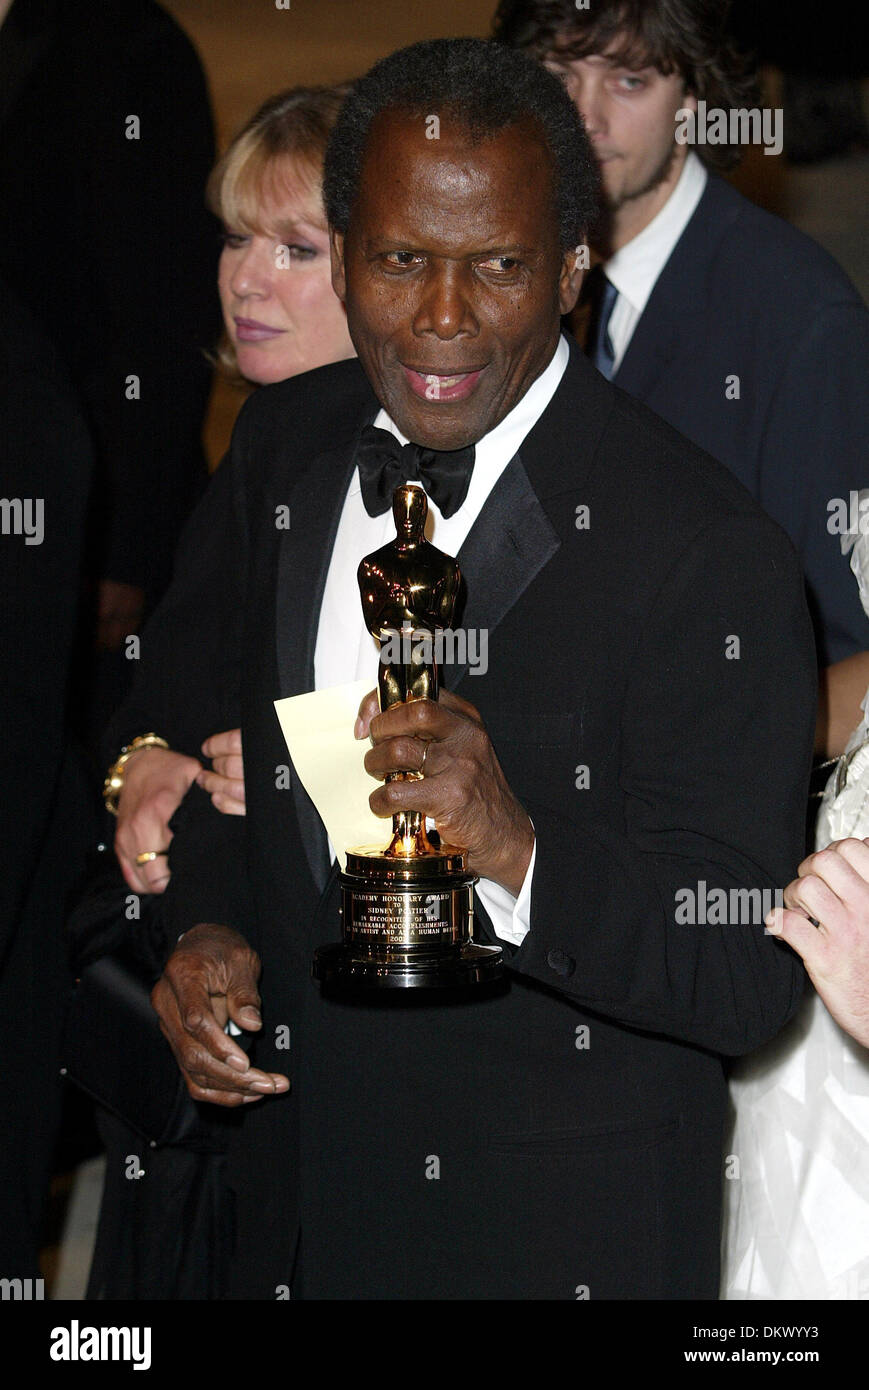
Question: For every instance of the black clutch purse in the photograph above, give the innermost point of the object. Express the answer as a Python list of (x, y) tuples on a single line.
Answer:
[(112, 1045)]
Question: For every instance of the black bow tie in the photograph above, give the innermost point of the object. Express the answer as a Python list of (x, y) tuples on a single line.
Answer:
[(384, 465)]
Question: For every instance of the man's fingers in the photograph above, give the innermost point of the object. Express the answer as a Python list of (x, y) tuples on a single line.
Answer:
[(243, 1006), (228, 1098), (198, 1065), (432, 718), (369, 707), (430, 795), (199, 1021), (214, 1097), (209, 1059), (203, 1014), (228, 806), (212, 977), (402, 755), (424, 719)]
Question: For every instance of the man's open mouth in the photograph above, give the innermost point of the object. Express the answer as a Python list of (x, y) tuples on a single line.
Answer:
[(442, 386)]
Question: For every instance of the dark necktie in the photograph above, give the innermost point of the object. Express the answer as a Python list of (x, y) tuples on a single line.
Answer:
[(384, 465), (602, 295)]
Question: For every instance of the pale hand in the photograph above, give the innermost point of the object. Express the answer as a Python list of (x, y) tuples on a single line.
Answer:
[(225, 782), (832, 887), (156, 781)]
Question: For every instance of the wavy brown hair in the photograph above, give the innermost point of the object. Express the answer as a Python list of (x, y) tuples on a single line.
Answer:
[(279, 150), (690, 37)]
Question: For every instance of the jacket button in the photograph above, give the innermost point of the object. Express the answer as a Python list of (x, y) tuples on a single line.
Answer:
[(561, 963)]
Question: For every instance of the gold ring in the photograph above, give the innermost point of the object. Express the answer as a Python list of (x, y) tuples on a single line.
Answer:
[(149, 855)]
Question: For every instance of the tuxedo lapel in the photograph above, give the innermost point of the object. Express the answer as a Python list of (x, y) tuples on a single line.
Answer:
[(508, 546), (517, 531), (303, 563)]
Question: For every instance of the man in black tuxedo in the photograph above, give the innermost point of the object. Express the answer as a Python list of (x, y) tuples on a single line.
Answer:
[(733, 326), (628, 743)]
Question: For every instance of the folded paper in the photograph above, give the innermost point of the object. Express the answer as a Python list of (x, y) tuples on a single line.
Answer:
[(318, 729)]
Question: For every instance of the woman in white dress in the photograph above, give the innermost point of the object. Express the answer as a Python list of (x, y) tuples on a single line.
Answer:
[(796, 1201)]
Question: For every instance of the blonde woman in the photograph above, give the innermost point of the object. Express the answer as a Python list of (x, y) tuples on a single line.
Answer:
[(281, 317)]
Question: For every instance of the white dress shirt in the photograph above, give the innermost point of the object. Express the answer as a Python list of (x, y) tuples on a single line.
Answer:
[(345, 649), (634, 269)]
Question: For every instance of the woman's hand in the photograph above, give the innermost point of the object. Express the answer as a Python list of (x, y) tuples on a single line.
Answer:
[(225, 782), (156, 780), (825, 919)]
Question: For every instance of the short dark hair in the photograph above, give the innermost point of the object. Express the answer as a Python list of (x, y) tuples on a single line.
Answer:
[(690, 37), (485, 87)]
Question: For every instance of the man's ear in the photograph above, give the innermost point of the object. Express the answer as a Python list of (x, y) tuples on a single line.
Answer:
[(573, 267), (336, 252)]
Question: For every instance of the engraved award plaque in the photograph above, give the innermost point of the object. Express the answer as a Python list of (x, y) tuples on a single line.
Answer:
[(407, 908)]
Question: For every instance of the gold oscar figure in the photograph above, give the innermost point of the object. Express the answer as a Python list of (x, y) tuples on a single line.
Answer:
[(408, 909)]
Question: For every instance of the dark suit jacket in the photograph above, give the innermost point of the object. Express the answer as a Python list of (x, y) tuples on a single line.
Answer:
[(746, 295), (560, 1165), (108, 241)]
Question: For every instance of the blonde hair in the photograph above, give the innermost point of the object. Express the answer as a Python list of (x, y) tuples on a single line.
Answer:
[(290, 128)]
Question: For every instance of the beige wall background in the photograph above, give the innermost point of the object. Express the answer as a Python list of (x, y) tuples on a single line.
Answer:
[(251, 49)]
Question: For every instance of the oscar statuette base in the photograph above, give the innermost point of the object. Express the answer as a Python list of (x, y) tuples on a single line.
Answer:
[(407, 924)]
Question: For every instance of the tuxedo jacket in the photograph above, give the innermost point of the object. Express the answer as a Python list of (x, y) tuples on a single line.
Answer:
[(650, 696), (748, 303)]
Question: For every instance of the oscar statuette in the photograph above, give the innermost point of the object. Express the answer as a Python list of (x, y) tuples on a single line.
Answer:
[(407, 908)]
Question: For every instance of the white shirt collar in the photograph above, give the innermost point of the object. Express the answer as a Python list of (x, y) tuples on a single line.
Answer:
[(634, 269)]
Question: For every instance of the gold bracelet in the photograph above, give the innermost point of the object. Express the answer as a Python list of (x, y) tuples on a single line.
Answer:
[(114, 783)]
